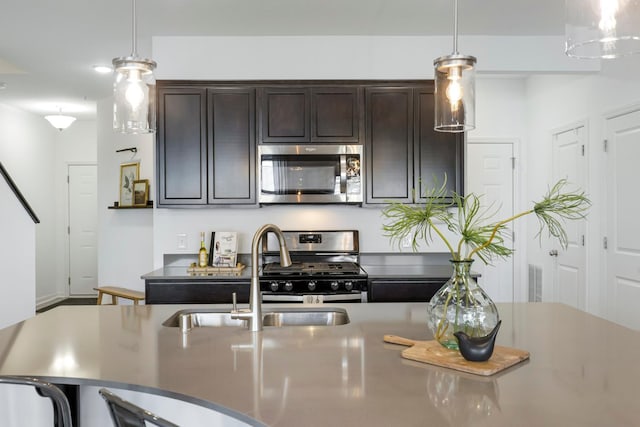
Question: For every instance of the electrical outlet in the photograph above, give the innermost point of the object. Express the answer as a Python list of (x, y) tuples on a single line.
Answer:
[(182, 241), (406, 242)]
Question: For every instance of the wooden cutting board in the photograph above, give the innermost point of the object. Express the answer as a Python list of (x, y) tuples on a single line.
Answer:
[(434, 353)]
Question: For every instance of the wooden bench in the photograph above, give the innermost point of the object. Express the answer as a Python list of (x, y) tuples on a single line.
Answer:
[(118, 292)]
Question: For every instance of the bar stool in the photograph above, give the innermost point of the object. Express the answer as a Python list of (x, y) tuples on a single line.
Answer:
[(61, 408), (126, 414), (118, 292)]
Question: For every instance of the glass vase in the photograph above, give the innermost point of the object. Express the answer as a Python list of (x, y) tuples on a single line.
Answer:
[(461, 305)]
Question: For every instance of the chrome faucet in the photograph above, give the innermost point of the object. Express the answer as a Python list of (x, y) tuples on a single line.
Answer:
[(254, 313)]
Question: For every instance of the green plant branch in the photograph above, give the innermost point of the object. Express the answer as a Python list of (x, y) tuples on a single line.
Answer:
[(495, 231)]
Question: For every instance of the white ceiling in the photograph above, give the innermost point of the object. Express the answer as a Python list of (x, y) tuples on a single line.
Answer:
[(48, 48)]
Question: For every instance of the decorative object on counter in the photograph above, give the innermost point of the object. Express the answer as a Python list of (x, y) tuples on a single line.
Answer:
[(203, 257), (129, 172), (140, 192), (223, 250), (477, 349), (455, 94), (433, 353), (460, 305), (134, 90), (604, 29), (216, 271)]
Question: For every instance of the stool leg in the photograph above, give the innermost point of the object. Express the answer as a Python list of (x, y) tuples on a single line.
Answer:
[(114, 300), (99, 300)]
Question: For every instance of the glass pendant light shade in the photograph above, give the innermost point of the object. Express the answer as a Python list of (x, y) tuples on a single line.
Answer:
[(455, 97), (134, 90), (602, 28), (134, 95), (59, 121)]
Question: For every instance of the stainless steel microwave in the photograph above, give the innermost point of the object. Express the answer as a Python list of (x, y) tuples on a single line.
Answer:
[(313, 173)]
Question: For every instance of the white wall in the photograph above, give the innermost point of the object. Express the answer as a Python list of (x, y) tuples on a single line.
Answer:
[(559, 101), (35, 154), (125, 238), (330, 58), (27, 146)]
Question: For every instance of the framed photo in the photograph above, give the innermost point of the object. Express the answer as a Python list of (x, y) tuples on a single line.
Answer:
[(140, 192), (129, 172)]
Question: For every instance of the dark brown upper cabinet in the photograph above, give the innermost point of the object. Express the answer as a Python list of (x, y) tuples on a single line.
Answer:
[(404, 154), (389, 144), (231, 146), (206, 145), (335, 115), (284, 115), (181, 146), (297, 115)]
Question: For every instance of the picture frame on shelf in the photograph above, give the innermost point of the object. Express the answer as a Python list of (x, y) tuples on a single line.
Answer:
[(129, 173), (140, 192)]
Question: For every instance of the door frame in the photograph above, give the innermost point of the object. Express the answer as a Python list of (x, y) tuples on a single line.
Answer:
[(520, 293), (67, 255)]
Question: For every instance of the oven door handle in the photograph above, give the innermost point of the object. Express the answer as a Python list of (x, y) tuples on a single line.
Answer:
[(343, 174)]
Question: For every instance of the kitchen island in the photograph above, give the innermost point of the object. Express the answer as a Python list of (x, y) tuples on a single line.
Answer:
[(582, 370)]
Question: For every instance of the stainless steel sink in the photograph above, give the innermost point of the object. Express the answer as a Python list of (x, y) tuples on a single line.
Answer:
[(278, 317)]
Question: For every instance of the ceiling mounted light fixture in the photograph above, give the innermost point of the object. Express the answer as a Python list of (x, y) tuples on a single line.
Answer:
[(134, 90), (455, 97), (602, 29), (59, 121)]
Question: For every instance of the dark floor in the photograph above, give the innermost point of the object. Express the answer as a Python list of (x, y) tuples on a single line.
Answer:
[(69, 301)]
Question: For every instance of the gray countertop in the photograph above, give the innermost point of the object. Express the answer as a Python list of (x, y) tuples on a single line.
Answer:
[(582, 371), (180, 273)]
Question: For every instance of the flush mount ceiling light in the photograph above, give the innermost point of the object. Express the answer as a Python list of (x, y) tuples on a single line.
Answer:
[(134, 90), (59, 121), (602, 29), (455, 98)]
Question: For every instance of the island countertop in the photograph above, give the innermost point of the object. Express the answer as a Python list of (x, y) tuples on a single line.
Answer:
[(582, 370)]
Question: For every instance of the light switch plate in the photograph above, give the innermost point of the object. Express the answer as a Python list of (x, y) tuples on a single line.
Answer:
[(182, 241)]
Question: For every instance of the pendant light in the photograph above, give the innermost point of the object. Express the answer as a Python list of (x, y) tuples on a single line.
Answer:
[(602, 29), (59, 121), (455, 99), (134, 91)]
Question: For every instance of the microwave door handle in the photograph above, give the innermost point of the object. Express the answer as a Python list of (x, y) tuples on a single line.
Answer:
[(343, 174)]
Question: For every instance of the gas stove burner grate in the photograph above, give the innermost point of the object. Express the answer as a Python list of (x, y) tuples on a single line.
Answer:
[(313, 268)]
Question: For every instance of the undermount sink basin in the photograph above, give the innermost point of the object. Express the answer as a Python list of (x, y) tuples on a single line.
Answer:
[(282, 316)]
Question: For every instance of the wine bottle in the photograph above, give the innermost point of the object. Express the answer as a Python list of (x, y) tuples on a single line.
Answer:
[(203, 257)]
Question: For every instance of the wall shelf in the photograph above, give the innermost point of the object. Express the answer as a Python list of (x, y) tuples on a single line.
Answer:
[(117, 206)]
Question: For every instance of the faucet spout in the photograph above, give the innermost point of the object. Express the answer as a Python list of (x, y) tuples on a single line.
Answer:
[(254, 314)]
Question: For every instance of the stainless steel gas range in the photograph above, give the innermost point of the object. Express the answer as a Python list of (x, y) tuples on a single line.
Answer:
[(326, 267)]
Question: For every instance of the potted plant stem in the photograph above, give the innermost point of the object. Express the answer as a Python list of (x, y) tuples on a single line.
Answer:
[(461, 305)]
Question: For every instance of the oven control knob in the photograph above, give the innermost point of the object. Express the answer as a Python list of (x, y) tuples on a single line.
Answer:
[(288, 286), (311, 285), (348, 285), (335, 286), (274, 286)]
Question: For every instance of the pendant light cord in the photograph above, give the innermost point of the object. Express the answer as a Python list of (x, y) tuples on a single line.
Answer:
[(134, 49), (455, 27)]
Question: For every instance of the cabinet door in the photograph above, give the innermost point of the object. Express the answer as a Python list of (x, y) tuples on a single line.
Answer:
[(181, 146), (389, 144), (436, 154), (335, 115), (284, 115), (231, 146), (403, 290)]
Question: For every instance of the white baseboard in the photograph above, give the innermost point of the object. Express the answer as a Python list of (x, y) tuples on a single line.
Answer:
[(43, 302)]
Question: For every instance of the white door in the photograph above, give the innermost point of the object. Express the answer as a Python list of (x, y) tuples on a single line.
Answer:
[(490, 169), (623, 230), (83, 239), (570, 264)]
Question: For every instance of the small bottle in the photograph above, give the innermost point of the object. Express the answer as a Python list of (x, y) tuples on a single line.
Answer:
[(203, 256)]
